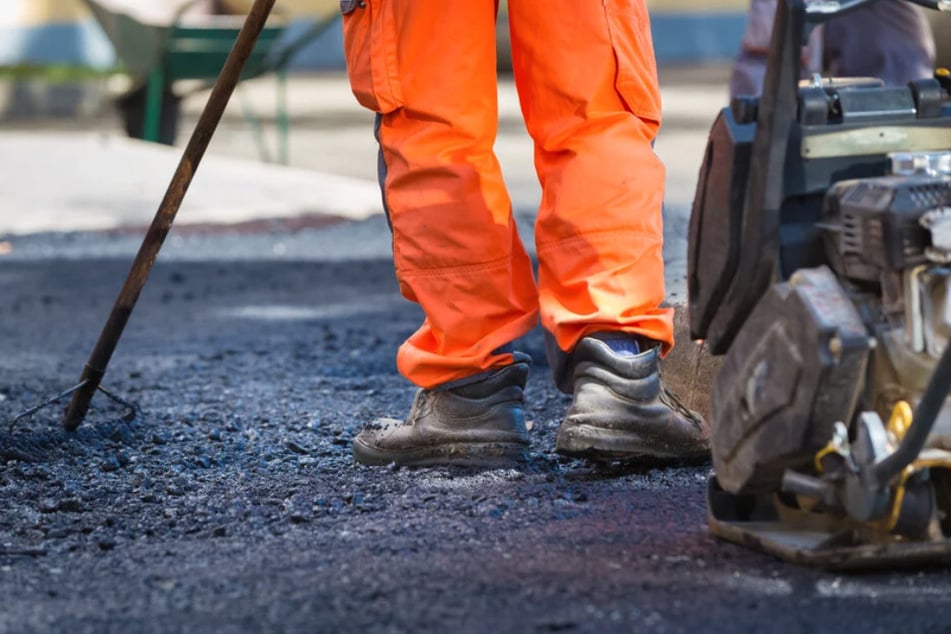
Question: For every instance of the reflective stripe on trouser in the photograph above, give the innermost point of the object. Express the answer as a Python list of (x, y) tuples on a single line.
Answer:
[(587, 82), (888, 40)]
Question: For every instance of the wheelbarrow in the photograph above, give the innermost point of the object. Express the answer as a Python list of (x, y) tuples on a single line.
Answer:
[(164, 41)]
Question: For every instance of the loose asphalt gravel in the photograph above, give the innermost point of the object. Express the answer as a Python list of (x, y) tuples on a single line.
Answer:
[(230, 503)]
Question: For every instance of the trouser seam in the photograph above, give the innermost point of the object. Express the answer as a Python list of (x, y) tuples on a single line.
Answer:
[(599, 236), (463, 269)]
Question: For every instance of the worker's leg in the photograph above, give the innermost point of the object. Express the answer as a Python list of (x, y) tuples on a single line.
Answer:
[(888, 40), (749, 67), (588, 87), (429, 69)]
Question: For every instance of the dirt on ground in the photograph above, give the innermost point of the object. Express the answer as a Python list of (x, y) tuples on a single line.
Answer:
[(229, 501)]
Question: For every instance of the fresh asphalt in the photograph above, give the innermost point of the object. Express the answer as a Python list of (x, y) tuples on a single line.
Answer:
[(228, 501)]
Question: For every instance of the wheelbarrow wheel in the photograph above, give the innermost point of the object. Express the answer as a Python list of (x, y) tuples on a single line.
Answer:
[(132, 106)]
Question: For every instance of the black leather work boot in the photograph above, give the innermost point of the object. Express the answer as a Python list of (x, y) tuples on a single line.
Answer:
[(621, 410), (480, 424)]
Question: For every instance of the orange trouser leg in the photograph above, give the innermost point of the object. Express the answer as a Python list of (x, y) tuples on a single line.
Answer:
[(456, 248), (587, 81)]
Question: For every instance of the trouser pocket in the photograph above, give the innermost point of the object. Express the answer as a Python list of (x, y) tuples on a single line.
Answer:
[(369, 39), (629, 26)]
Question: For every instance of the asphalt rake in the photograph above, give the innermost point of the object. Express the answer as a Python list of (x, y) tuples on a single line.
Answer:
[(95, 368)]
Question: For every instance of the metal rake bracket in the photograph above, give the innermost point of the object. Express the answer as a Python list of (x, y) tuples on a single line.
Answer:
[(132, 412)]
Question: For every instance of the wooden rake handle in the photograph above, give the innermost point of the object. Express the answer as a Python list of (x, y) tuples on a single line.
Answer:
[(207, 124)]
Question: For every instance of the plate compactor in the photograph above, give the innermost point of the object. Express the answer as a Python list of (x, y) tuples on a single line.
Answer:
[(820, 267)]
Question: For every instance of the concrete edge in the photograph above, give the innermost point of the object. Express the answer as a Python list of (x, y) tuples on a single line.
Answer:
[(105, 182)]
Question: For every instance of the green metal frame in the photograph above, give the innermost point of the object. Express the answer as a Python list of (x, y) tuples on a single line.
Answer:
[(157, 55), (199, 52)]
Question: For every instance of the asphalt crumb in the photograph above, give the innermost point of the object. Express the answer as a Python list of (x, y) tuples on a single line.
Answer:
[(230, 500)]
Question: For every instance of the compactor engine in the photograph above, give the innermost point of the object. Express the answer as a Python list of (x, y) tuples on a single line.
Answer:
[(819, 265)]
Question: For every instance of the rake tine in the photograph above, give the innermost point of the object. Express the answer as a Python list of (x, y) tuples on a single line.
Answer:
[(50, 401)]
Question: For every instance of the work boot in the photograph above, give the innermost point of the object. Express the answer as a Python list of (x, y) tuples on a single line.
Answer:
[(621, 409), (479, 424)]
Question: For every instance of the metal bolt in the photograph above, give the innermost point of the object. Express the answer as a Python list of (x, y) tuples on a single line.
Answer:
[(835, 347)]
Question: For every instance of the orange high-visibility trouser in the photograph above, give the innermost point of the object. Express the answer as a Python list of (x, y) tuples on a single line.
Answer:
[(587, 83)]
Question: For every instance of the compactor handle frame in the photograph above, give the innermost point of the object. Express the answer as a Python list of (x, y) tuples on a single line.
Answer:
[(821, 10)]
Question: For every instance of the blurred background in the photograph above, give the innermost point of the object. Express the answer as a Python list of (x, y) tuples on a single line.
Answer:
[(71, 57), (75, 70)]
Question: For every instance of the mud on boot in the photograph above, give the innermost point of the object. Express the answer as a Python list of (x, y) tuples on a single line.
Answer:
[(622, 411), (480, 424)]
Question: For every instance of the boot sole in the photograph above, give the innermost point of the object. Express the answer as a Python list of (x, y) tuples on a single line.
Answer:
[(480, 455), (578, 440)]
